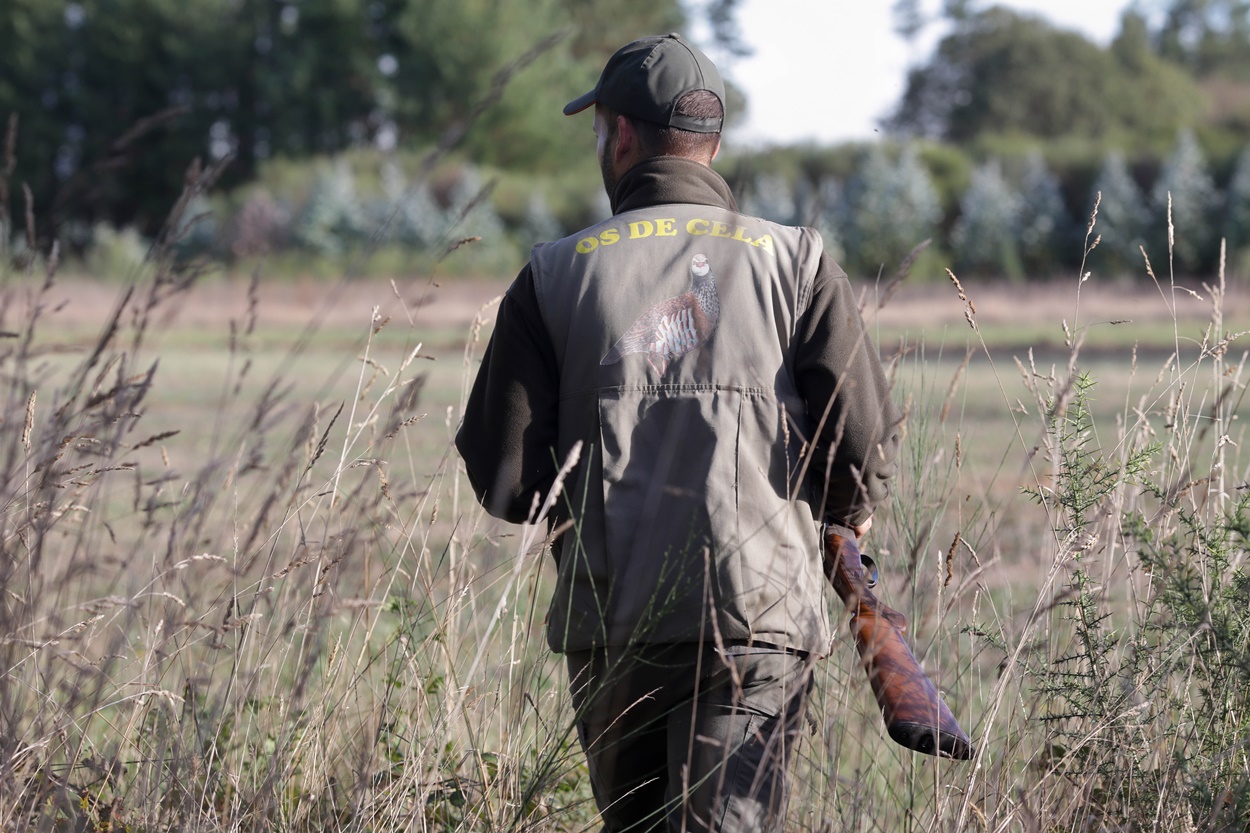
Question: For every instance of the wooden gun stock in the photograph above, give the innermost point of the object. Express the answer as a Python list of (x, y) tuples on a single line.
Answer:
[(915, 715)]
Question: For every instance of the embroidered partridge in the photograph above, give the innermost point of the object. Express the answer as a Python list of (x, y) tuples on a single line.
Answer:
[(676, 326)]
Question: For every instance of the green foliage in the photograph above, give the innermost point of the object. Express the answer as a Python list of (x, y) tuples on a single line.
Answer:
[(985, 235), (1237, 217), (470, 209), (950, 171), (446, 59), (332, 219), (1121, 692), (409, 215), (1185, 185), (1002, 72), (1207, 36), (1123, 215), (540, 223), (116, 253), (366, 210), (1237, 214), (819, 209), (887, 208), (772, 197), (117, 97), (1043, 222)]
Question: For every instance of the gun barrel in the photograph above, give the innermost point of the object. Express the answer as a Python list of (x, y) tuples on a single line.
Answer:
[(915, 714)]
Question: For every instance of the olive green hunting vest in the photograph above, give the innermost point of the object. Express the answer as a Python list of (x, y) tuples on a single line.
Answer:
[(673, 329)]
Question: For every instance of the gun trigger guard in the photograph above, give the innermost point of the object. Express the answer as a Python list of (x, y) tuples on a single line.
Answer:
[(870, 571)]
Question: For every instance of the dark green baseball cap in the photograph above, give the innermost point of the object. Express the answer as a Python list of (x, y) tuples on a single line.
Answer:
[(644, 80)]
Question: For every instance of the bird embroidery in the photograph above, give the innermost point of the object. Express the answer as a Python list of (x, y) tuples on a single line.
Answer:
[(676, 326)]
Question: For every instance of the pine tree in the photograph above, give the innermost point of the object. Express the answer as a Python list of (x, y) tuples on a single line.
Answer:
[(984, 235), (115, 253), (410, 214), (540, 222), (1237, 215), (771, 197), (818, 208), (333, 218), (1044, 224), (888, 207), (918, 209), (1194, 202), (1123, 215), (471, 212), (196, 233)]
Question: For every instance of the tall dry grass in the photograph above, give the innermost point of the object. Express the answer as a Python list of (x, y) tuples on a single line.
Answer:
[(284, 634), (311, 626)]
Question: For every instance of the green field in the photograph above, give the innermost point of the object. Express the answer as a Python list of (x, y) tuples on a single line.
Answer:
[(290, 614)]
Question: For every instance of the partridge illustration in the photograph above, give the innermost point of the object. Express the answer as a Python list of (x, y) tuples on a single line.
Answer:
[(676, 326)]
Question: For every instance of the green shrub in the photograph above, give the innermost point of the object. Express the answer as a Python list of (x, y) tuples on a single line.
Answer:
[(115, 253), (1146, 690)]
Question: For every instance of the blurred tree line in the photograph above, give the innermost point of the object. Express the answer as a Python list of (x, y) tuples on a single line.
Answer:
[(115, 97), (1016, 126), (1174, 63), (328, 108)]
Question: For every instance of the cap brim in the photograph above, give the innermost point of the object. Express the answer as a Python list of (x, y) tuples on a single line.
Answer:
[(580, 103)]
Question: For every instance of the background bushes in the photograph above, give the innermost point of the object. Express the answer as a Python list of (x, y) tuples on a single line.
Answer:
[(338, 118), (1014, 214)]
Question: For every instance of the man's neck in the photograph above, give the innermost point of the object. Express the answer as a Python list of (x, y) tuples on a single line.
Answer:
[(670, 179)]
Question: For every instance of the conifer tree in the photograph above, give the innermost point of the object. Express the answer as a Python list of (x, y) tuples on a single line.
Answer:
[(1123, 215), (196, 233), (818, 208), (771, 197), (540, 222), (888, 207), (1194, 202), (1237, 215), (1044, 224), (471, 212), (410, 214), (333, 218), (984, 237)]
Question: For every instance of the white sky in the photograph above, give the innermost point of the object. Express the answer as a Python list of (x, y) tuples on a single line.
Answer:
[(853, 61)]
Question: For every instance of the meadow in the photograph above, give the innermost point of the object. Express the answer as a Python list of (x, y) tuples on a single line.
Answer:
[(246, 586)]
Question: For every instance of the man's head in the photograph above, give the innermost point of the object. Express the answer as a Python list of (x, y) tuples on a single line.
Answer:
[(657, 96)]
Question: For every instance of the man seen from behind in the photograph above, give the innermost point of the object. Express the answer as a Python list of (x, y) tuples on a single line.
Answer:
[(714, 371)]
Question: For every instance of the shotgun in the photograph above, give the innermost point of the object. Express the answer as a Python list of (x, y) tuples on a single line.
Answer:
[(915, 715)]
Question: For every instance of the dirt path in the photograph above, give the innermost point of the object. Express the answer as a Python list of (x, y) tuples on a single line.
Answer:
[(454, 303), (81, 303)]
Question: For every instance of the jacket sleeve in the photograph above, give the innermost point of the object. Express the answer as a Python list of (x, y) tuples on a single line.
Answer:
[(851, 417), (509, 431)]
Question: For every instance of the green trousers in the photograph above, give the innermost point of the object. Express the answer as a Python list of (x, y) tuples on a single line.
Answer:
[(686, 737)]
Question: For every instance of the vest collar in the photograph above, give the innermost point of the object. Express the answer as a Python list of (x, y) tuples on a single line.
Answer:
[(671, 179)]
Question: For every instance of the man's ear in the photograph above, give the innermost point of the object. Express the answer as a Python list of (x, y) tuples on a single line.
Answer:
[(626, 141), (716, 149)]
